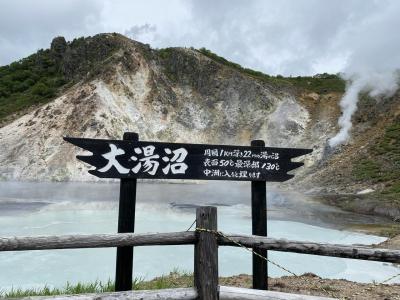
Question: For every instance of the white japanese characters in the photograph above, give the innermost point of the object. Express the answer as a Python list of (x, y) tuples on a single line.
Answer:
[(236, 153), (159, 160), (175, 164), (112, 160), (147, 160), (238, 164)]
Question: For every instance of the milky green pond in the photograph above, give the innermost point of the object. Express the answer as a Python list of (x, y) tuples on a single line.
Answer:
[(82, 208)]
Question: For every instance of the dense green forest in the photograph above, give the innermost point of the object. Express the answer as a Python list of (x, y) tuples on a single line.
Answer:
[(32, 80)]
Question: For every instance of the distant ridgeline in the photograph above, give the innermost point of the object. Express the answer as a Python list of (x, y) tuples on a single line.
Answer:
[(320, 83), (42, 76)]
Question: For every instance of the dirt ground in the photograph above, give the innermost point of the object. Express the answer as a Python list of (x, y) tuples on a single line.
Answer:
[(310, 284), (392, 243)]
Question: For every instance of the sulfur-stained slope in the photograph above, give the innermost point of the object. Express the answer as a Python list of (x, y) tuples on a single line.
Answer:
[(176, 94)]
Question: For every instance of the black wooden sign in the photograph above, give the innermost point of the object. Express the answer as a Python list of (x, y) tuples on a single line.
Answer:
[(136, 159)]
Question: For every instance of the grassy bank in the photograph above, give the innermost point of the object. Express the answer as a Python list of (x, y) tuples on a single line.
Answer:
[(382, 163), (173, 280), (308, 284), (379, 167)]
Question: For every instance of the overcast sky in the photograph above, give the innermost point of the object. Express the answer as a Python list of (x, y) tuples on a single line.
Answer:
[(277, 37)]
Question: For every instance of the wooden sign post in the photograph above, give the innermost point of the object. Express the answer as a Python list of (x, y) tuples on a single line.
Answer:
[(259, 227), (126, 223), (129, 159)]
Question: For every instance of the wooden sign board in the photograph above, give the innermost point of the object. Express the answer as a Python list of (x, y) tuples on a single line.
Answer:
[(137, 159)]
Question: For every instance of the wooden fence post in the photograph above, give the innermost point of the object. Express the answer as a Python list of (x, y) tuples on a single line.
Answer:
[(259, 227), (126, 223), (206, 254)]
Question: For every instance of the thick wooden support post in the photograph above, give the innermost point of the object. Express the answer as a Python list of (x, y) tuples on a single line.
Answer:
[(259, 227), (126, 223), (206, 254)]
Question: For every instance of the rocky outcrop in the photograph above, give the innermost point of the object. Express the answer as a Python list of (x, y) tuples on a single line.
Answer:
[(167, 95)]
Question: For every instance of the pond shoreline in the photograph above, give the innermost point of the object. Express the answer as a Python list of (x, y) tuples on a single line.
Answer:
[(368, 205)]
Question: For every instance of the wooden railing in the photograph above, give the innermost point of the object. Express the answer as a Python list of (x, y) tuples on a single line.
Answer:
[(206, 240)]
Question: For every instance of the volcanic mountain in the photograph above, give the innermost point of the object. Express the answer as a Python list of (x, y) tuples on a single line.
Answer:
[(105, 85)]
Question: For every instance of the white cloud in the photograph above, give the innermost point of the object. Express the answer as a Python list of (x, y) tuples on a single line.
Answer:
[(373, 63), (26, 26), (288, 37), (278, 37)]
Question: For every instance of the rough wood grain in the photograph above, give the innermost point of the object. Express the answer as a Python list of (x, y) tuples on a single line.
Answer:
[(185, 238), (335, 250), (225, 293), (234, 293), (95, 241), (206, 254), (126, 223), (179, 294)]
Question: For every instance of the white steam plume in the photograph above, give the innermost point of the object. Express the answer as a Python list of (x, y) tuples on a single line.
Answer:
[(375, 84), (373, 62)]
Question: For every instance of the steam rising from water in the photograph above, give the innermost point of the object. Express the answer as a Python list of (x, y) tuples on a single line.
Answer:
[(375, 84), (32, 209), (373, 57)]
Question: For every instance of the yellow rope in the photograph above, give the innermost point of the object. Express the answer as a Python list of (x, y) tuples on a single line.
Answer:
[(248, 249), (390, 278), (263, 257), (219, 233)]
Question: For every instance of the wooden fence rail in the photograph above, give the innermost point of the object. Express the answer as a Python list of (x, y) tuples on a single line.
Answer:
[(333, 250), (225, 293), (186, 238), (206, 241), (96, 241)]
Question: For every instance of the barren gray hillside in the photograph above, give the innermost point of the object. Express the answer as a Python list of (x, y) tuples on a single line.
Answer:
[(173, 94), (109, 84)]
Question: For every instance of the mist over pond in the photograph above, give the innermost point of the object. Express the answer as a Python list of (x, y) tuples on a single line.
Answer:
[(28, 208)]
